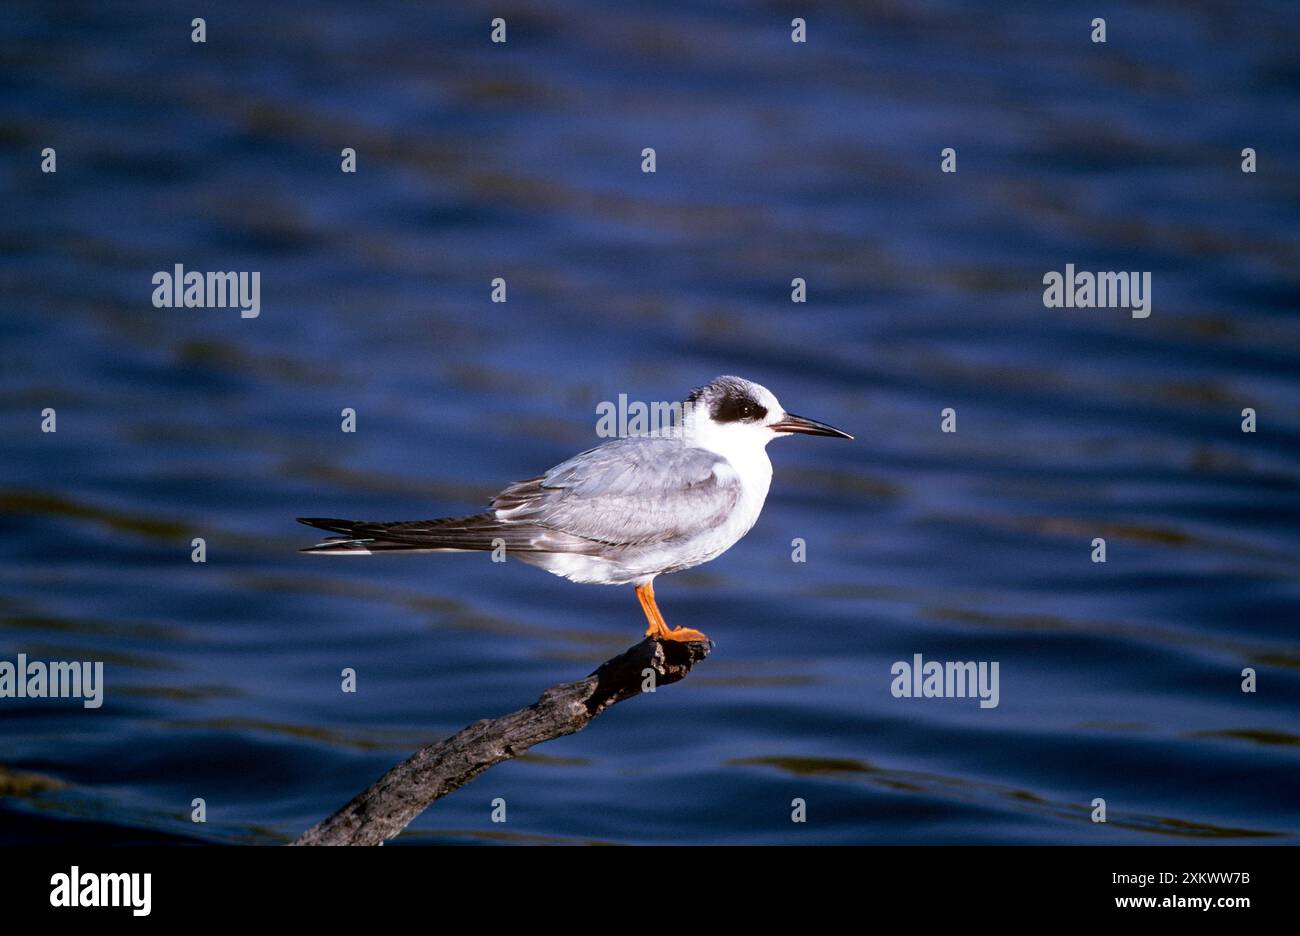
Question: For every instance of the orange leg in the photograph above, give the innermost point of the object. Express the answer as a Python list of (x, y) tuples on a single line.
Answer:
[(658, 629)]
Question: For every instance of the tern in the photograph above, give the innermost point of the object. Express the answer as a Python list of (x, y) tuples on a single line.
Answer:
[(625, 512)]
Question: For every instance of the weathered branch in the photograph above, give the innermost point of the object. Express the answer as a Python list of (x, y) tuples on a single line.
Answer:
[(396, 798)]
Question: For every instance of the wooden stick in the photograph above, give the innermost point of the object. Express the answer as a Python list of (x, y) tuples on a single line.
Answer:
[(395, 799)]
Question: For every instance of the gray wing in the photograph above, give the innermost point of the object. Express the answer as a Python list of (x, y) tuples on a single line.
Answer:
[(628, 492)]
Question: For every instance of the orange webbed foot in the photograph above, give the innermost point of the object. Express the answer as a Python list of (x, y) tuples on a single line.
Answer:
[(684, 635), (658, 629)]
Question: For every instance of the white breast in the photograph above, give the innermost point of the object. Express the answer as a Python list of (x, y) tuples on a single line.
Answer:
[(749, 464), (754, 469)]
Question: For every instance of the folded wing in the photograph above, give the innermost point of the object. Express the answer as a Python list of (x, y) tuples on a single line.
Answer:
[(626, 493)]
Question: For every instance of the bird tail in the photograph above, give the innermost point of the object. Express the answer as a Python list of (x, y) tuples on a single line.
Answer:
[(480, 532)]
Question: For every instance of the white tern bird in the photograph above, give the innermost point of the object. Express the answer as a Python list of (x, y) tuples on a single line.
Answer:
[(626, 511)]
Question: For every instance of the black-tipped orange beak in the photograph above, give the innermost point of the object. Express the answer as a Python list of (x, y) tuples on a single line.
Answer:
[(792, 423)]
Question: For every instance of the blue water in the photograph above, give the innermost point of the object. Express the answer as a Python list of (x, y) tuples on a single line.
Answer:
[(774, 160)]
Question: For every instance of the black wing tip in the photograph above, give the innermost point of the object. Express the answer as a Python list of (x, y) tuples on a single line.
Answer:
[(325, 523)]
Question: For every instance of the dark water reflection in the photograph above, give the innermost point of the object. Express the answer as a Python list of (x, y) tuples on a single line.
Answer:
[(1118, 681)]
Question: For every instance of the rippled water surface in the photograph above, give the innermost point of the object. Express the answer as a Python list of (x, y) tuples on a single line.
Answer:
[(775, 160)]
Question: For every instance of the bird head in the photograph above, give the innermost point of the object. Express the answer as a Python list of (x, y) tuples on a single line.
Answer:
[(733, 411)]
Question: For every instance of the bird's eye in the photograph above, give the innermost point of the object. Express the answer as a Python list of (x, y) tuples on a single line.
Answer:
[(734, 409)]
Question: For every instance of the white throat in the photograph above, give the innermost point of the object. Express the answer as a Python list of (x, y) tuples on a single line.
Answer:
[(744, 446)]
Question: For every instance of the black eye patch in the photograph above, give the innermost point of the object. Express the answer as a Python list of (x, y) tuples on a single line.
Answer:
[(737, 409)]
